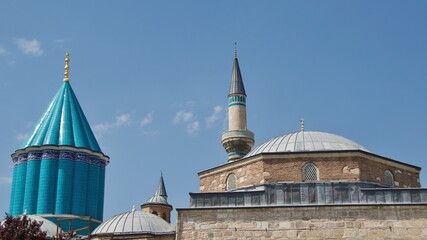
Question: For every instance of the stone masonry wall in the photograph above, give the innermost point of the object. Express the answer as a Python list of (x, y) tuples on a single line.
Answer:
[(247, 175), (331, 167), (374, 172), (321, 222)]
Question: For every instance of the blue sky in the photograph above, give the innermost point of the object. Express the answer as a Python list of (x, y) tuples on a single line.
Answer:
[(152, 78)]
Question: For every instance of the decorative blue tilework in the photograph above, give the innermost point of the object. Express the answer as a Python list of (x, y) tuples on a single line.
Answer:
[(64, 191), (101, 189), (81, 172), (12, 194), (47, 186), (32, 186), (238, 100), (56, 155), (93, 200), (19, 191)]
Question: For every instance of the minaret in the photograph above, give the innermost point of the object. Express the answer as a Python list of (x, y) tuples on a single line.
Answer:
[(238, 140), (158, 204), (60, 168)]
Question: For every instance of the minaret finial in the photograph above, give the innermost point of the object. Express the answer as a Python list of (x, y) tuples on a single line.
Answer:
[(235, 49), (302, 124), (67, 67)]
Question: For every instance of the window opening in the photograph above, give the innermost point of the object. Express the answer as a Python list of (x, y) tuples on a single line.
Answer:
[(309, 172), (231, 182)]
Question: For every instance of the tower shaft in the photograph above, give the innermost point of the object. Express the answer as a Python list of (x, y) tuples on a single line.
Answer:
[(238, 140)]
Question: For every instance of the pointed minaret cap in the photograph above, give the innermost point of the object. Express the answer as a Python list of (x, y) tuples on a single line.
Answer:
[(160, 196), (236, 85), (161, 189)]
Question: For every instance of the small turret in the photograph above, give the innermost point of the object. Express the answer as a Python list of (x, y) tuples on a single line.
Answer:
[(158, 203), (238, 140)]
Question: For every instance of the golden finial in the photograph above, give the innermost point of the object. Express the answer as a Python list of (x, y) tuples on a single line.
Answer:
[(235, 50), (67, 67)]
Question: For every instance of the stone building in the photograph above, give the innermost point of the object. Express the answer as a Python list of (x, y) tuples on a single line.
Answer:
[(302, 185)]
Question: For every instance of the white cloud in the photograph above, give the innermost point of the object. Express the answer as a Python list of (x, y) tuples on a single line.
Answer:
[(148, 119), (189, 118), (121, 120), (183, 116), (214, 117), (32, 47), (21, 136), (2, 51), (6, 180), (193, 127)]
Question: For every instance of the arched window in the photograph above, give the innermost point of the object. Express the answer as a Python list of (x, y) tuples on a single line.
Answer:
[(164, 216), (231, 182), (309, 172), (388, 178), (155, 213)]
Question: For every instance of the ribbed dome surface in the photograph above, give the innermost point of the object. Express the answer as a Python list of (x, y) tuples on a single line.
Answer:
[(306, 141), (157, 199), (134, 222), (63, 123)]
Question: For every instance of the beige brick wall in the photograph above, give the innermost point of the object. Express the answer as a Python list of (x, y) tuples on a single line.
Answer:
[(374, 172), (324, 222), (332, 167), (247, 175)]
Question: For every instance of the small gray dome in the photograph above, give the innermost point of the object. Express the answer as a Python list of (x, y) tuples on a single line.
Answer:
[(134, 223), (306, 141), (157, 199)]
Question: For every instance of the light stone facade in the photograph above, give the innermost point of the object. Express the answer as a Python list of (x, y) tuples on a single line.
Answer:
[(287, 167), (317, 222)]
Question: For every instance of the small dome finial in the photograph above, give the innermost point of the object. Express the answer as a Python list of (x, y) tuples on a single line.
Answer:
[(133, 208), (235, 49), (302, 124), (67, 67), (25, 212)]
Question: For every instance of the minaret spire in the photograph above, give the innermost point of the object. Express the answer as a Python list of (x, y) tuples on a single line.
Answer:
[(158, 203), (67, 67), (238, 140), (161, 189)]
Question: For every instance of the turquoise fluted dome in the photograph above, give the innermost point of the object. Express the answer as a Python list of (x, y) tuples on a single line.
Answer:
[(63, 123)]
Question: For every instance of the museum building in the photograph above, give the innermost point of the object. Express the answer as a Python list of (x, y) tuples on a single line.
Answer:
[(299, 185)]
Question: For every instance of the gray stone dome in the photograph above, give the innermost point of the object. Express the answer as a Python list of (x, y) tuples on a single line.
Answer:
[(134, 223), (303, 141), (157, 199)]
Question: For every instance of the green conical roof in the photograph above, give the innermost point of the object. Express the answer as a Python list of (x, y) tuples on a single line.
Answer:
[(63, 123)]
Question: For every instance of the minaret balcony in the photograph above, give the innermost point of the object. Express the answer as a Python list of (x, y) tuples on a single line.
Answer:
[(237, 134)]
